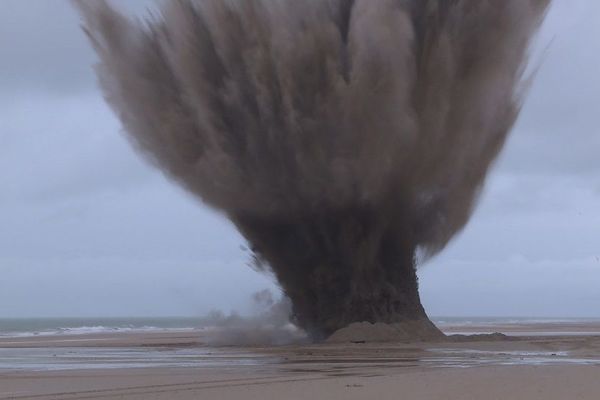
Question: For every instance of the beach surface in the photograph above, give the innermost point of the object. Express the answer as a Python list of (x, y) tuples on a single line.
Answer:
[(563, 362)]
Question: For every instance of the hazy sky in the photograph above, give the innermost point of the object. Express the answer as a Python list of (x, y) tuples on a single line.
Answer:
[(88, 229)]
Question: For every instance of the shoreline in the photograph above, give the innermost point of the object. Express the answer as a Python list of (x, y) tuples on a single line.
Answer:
[(170, 365), (116, 339)]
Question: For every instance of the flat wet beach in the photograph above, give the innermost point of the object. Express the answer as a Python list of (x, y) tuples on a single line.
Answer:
[(175, 364)]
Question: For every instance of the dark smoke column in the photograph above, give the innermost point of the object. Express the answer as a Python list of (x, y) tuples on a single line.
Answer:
[(340, 136)]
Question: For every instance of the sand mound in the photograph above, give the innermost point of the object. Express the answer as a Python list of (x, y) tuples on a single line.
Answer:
[(366, 332)]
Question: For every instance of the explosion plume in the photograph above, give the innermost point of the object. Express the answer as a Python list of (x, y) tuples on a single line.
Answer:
[(339, 136)]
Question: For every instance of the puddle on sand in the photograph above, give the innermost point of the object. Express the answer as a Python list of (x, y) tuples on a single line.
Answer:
[(48, 359), (73, 358), (442, 357)]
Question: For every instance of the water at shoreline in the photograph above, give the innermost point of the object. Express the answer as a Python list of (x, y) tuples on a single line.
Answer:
[(25, 327), (81, 344), (87, 358)]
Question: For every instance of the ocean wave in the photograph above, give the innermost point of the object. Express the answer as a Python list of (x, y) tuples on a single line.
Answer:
[(88, 330)]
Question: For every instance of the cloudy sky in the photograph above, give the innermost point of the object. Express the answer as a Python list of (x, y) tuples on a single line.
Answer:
[(88, 229)]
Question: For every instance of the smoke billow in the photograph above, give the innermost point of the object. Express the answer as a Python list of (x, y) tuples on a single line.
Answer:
[(340, 136), (269, 323)]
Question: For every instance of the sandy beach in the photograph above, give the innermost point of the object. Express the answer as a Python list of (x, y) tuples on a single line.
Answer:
[(502, 382), (179, 365)]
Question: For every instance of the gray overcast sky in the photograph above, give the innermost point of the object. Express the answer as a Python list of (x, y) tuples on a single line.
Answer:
[(88, 229)]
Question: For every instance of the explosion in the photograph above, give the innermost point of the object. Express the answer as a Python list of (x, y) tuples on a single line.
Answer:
[(339, 136)]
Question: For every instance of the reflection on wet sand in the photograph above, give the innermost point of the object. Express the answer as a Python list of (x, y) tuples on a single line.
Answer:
[(314, 358), (179, 365)]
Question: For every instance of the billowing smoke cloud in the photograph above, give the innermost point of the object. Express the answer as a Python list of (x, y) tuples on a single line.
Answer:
[(340, 136), (269, 323)]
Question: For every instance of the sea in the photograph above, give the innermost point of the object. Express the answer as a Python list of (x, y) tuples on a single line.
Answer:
[(24, 327)]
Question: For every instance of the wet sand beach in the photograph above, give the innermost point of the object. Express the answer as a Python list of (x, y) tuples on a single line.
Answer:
[(500, 382), (179, 365)]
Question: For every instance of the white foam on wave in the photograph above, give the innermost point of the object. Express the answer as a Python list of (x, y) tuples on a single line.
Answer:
[(485, 321), (88, 330)]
